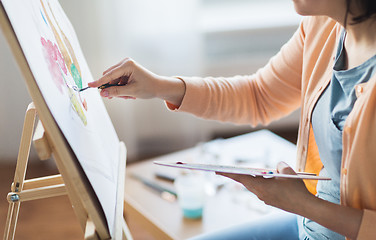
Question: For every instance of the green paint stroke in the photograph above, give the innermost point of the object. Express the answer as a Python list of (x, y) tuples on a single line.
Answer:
[(76, 76)]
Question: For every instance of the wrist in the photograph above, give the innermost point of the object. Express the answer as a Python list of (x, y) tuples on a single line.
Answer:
[(170, 89)]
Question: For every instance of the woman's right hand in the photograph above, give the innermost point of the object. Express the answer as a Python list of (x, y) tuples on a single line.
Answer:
[(134, 81)]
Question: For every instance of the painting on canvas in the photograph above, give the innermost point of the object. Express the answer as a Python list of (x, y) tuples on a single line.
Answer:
[(51, 48)]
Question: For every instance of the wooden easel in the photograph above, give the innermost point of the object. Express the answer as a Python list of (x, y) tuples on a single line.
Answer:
[(51, 186), (49, 140)]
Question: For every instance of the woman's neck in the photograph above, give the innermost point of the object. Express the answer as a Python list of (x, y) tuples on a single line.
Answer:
[(360, 42)]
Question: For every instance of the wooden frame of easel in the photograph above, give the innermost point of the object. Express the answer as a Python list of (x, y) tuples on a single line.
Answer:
[(71, 180), (49, 186)]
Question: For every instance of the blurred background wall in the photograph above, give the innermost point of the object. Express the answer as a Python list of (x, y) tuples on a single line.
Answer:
[(169, 37)]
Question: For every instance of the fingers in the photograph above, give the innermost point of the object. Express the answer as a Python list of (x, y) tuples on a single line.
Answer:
[(127, 97), (253, 184), (284, 168), (114, 73), (110, 76), (117, 91), (112, 92)]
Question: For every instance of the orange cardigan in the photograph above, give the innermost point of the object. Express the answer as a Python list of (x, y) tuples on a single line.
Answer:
[(296, 77)]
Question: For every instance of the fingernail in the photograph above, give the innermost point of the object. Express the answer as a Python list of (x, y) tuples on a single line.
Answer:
[(104, 93)]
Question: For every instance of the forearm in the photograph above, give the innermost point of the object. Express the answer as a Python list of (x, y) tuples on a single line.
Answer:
[(339, 218), (292, 195)]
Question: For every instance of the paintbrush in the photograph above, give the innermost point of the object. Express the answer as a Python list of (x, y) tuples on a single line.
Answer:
[(164, 193), (107, 85)]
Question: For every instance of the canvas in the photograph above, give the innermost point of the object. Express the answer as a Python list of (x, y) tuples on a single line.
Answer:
[(53, 53)]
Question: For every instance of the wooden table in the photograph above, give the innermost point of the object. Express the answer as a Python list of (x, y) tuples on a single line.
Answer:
[(164, 219)]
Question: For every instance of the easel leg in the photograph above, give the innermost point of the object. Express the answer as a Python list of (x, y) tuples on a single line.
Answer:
[(10, 227), (37, 188), (19, 176)]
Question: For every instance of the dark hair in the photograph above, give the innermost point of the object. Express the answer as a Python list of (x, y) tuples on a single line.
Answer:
[(367, 10)]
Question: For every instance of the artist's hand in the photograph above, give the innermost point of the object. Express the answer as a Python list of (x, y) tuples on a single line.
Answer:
[(283, 193), (137, 82)]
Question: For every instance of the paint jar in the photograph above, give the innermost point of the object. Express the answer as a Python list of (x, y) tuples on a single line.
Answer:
[(190, 189)]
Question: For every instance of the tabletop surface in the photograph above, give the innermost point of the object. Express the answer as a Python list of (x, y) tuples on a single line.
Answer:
[(229, 205)]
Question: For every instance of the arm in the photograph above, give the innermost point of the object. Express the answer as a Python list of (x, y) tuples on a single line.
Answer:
[(273, 92), (137, 82), (341, 219), (291, 195)]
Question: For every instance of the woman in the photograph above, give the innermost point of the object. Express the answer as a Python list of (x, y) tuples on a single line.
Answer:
[(327, 69)]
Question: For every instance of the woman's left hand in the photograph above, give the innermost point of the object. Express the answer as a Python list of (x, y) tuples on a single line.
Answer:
[(284, 193)]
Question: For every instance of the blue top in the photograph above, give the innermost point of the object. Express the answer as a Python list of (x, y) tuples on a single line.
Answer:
[(328, 120)]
